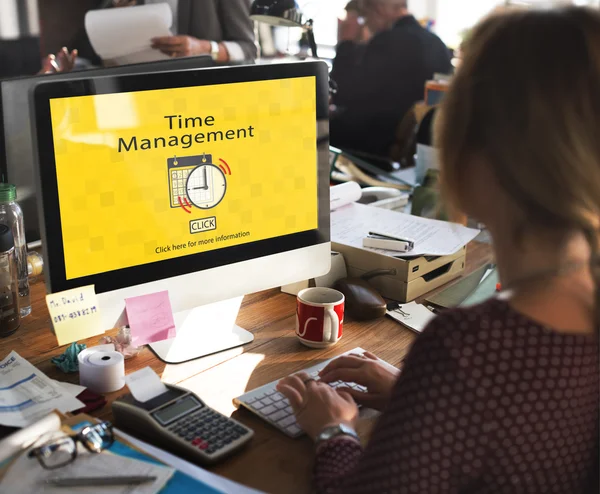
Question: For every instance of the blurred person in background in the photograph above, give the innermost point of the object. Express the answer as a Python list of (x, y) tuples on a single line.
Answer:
[(381, 66), (220, 28)]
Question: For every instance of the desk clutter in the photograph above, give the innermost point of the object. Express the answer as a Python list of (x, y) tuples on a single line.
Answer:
[(82, 454), (168, 416)]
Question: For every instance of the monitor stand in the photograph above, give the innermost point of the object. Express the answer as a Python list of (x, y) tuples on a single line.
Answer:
[(203, 331)]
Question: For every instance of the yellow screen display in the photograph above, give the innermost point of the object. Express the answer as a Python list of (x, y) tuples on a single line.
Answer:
[(154, 175)]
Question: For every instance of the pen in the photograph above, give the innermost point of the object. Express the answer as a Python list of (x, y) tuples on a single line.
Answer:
[(96, 481)]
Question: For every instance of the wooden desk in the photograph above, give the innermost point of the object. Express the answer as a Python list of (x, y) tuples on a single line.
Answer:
[(272, 462)]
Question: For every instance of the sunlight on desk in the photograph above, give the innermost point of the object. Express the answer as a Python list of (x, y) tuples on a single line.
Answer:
[(219, 384)]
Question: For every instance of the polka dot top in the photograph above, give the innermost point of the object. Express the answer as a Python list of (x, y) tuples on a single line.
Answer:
[(488, 402)]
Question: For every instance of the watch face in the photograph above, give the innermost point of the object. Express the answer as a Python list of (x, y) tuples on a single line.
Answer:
[(206, 186)]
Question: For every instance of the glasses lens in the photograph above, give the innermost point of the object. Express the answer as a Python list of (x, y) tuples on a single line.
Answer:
[(98, 437), (57, 452)]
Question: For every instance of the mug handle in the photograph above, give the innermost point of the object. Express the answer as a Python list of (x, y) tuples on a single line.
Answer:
[(334, 321)]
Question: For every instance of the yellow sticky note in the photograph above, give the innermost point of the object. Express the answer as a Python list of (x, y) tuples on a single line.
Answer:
[(75, 314)]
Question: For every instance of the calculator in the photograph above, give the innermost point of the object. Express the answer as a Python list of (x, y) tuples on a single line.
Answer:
[(180, 422)]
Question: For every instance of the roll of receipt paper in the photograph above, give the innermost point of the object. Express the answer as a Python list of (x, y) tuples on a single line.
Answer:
[(101, 369)]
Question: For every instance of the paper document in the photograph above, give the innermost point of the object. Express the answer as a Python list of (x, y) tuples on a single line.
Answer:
[(344, 194), (27, 394), (75, 314), (215, 481), (26, 475), (145, 384), (414, 316), (352, 223), (73, 389), (123, 35), (150, 318)]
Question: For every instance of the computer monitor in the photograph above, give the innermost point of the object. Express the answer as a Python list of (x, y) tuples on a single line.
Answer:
[(210, 184), (16, 146)]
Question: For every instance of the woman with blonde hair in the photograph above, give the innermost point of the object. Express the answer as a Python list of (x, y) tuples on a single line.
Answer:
[(502, 397)]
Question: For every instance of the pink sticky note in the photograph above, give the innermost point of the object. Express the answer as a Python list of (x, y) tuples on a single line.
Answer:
[(150, 318)]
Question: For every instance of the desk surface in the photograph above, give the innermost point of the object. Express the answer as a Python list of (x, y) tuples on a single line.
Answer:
[(272, 460)]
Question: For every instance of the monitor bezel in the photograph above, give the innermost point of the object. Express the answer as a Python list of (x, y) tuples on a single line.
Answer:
[(47, 186)]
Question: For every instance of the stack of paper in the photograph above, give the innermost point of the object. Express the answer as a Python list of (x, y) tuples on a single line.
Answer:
[(27, 394), (352, 223)]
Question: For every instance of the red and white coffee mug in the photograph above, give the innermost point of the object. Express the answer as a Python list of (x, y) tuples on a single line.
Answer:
[(319, 316)]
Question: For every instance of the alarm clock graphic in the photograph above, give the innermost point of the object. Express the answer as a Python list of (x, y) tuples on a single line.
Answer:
[(206, 185), (196, 181)]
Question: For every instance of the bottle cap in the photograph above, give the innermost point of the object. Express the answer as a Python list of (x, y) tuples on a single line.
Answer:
[(8, 193), (7, 241)]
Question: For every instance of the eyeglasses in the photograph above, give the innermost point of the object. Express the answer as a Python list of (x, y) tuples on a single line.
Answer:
[(60, 451)]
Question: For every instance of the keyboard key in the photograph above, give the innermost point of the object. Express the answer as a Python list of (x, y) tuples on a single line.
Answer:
[(294, 429), (268, 410), (289, 420), (275, 417), (277, 396), (280, 405), (266, 401), (258, 405), (270, 392), (249, 401)]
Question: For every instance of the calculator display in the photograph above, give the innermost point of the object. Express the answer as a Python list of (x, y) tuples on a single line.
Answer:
[(177, 409)]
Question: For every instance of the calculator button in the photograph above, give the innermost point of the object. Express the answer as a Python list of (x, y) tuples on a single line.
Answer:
[(203, 446)]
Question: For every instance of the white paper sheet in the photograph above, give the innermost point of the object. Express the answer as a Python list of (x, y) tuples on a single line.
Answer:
[(145, 384), (215, 481), (27, 394), (26, 475), (73, 389), (124, 35), (352, 223), (343, 194), (414, 316)]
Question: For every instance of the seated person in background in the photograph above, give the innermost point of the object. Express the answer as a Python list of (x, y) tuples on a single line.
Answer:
[(227, 23), (378, 81), (504, 396)]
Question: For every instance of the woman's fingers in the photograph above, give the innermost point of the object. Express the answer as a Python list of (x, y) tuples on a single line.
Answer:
[(345, 362), (347, 375), (292, 394)]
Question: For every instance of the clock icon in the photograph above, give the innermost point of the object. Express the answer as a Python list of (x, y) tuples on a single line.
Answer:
[(206, 186)]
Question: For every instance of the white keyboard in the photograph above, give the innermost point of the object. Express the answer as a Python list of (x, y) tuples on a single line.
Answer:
[(270, 405)]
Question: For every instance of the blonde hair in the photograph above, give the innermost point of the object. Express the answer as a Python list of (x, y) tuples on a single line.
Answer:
[(526, 100)]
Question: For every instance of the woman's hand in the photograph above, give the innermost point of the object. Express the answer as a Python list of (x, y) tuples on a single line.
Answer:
[(181, 46), (316, 404), (368, 371)]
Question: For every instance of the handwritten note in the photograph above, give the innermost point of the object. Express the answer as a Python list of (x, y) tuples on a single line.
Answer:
[(150, 318), (75, 314)]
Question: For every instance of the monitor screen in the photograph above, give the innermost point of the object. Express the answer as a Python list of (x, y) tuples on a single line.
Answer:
[(152, 175), (189, 177)]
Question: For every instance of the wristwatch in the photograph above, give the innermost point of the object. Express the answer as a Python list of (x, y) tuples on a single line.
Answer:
[(335, 431), (214, 50)]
